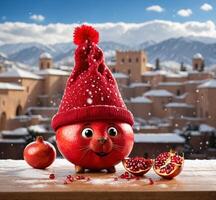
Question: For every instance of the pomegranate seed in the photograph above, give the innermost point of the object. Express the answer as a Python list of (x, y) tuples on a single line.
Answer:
[(80, 177), (116, 178), (126, 174), (69, 176), (151, 182), (70, 179), (52, 176)]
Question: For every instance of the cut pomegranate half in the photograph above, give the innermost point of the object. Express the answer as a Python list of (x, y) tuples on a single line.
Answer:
[(137, 166), (168, 164)]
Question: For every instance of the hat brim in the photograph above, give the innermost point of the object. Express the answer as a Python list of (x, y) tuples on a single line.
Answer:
[(92, 113)]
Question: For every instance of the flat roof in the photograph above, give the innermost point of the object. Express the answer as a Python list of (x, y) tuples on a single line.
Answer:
[(10, 86), (19, 73), (158, 138)]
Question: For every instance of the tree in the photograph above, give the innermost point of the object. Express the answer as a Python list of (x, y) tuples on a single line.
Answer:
[(157, 64), (182, 67)]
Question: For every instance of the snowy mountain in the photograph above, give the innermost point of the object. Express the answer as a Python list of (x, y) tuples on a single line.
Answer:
[(181, 50), (146, 44), (3, 57), (174, 49)]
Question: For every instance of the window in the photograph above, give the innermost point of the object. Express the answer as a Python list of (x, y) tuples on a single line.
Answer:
[(41, 65), (3, 119), (113, 70), (122, 60), (48, 65), (18, 110), (201, 112), (129, 71), (129, 60), (137, 60), (178, 92)]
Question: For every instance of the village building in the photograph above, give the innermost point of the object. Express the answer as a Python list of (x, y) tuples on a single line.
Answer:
[(162, 102)]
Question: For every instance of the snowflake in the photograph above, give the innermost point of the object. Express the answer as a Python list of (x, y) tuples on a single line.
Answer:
[(89, 101)]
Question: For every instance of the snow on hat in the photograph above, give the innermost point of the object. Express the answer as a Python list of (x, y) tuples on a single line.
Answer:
[(91, 91)]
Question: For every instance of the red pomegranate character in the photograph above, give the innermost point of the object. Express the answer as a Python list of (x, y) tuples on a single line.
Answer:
[(93, 126)]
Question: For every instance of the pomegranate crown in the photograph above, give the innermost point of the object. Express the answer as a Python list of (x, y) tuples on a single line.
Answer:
[(85, 33)]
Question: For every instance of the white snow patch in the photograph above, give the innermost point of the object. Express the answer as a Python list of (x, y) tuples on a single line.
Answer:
[(120, 75), (136, 84), (18, 132), (56, 72), (39, 128), (45, 55), (39, 186), (154, 73), (158, 138), (170, 83), (10, 86), (178, 105), (19, 73), (206, 128), (159, 93), (198, 56), (140, 99), (209, 84)]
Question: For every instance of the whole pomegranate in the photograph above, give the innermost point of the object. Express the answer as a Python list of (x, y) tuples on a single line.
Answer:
[(39, 154), (95, 145), (168, 164), (137, 166)]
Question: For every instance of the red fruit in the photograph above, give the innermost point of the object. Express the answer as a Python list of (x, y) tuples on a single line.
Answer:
[(52, 176), (151, 182), (80, 177), (128, 176), (95, 145), (168, 164), (70, 178), (39, 154), (137, 165)]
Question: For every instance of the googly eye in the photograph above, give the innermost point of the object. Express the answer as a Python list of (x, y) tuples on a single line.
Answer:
[(112, 131), (87, 132)]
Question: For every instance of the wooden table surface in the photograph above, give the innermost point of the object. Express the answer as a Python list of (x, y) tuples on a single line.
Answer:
[(19, 181)]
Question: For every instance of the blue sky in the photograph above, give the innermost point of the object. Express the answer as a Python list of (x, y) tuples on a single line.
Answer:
[(100, 11)]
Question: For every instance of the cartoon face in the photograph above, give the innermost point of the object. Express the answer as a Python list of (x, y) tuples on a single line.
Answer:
[(95, 145)]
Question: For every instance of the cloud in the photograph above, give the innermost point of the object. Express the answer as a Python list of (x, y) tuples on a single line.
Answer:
[(185, 12), (206, 7), (155, 8), (37, 18), (126, 33)]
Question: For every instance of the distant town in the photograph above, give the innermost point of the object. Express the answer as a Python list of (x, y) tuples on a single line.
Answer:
[(172, 109)]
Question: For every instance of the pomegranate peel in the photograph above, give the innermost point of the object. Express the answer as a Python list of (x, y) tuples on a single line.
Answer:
[(137, 166), (168, 164)]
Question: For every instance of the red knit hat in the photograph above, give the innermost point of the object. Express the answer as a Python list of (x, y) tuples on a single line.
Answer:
[(91, 92)]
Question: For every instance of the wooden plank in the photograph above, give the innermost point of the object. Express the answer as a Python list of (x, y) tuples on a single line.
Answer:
[(19, 181)]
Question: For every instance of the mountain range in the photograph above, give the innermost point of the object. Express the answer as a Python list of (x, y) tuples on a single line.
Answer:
[(174, 49)]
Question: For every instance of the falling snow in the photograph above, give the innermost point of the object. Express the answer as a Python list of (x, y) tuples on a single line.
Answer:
[(89, 101)]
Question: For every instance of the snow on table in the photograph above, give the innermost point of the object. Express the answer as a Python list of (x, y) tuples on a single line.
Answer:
[(19, 181)]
